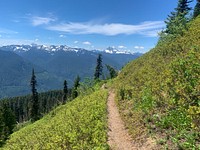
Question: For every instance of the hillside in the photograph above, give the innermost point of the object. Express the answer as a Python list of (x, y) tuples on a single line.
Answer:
[(158, 93), (80, 124), (15, 74)]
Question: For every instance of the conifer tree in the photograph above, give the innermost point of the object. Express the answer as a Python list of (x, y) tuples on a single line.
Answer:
[(112, 71), (7, 123), (75, 87), (34, 102), (3, 133), (183, 7), (99, 68), (9, 118), (176, 22), (196, 9), (65, 91)]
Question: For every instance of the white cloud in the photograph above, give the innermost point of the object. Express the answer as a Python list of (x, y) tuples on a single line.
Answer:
[(153, 33), (36, 21), (139, 47), (148, 28), (121, 47), (75, 42), (61, 36), (36, 40), (86, 43)]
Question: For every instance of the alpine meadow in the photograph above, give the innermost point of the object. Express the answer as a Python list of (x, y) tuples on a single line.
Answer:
[(101, 99)]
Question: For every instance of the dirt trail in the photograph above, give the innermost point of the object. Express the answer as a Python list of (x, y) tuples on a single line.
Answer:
[(118, 137)]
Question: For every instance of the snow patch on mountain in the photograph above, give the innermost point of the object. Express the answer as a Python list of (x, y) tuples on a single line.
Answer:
[(56, 48), (112, 50)]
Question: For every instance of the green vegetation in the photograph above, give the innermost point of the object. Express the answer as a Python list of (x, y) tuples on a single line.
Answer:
[(22, 109), (196, 9), (7, 123), (80, 124), (17, 111), (158, 93), (65, 91), (99, 68), (34, 101), (75, 87), (176, 23), (112, 71)]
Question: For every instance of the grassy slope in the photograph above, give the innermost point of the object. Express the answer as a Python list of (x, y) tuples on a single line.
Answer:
[(159, 92), (80, 124)]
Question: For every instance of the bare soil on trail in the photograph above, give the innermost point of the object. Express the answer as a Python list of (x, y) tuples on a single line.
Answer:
[(118, 136)]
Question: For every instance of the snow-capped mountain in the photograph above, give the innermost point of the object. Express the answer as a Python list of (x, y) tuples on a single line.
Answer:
[(56, 48), (112, 50), (53, 64), (48, 48)]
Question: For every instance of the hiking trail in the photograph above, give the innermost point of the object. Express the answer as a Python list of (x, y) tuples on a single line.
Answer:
[(118, 136)]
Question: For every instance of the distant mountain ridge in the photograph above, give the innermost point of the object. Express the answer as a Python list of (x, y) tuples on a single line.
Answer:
[(56, 48), (53, 64)]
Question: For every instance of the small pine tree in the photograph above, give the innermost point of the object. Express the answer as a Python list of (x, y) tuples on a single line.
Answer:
[(99, 68), (65, 91), (183, 7), (75, 87), (112, 71), (34, 103), (176, 22), (196, 9), (170, 22)]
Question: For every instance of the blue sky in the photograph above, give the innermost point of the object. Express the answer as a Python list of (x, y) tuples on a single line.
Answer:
[(92, 24)]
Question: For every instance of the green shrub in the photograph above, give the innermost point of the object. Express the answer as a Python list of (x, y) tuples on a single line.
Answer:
[(80, 124), (164, 85)]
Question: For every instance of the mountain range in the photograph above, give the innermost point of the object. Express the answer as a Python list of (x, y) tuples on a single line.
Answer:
[(52, 64)]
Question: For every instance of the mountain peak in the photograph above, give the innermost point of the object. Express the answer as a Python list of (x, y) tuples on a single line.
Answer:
[(55, 48), (113, 50)]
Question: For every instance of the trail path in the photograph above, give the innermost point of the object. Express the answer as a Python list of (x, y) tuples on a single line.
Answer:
[(118, 137)]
